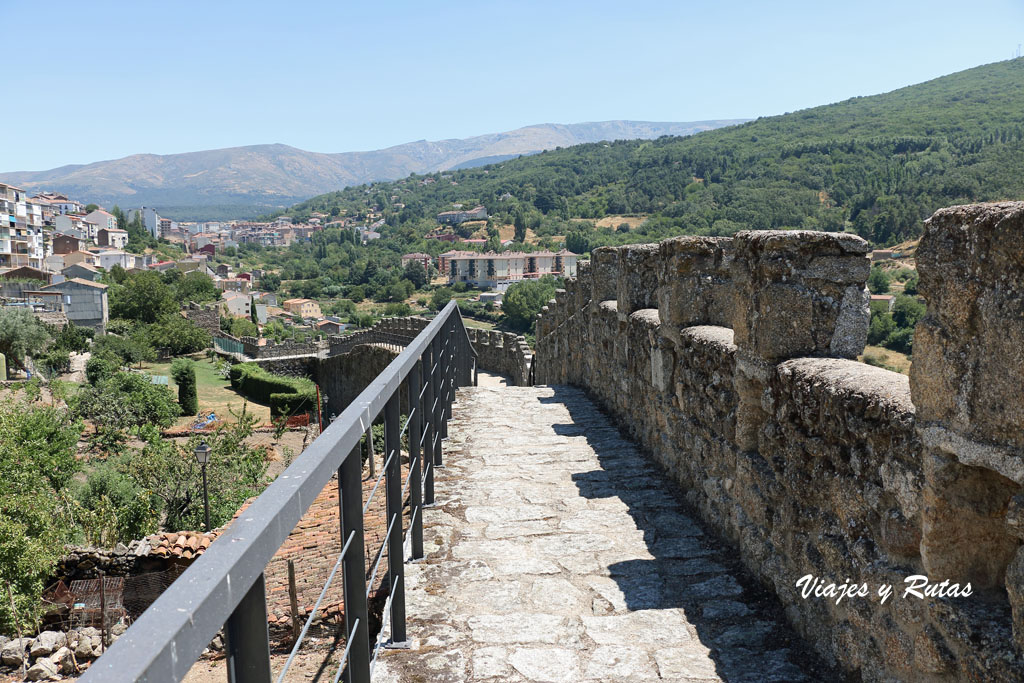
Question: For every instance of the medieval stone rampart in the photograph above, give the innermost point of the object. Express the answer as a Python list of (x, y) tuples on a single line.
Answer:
[(731, 360), (500, 352)]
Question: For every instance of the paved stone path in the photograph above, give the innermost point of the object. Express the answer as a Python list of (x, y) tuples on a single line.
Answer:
[(558, 553)]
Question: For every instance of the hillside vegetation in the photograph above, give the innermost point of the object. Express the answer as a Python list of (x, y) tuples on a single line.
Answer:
[(241, 182), (875, 165)]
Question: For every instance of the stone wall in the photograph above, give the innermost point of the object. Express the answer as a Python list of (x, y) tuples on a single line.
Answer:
[(503, 353), (269, 349), (731, 361), (206, 317), (345, 376)]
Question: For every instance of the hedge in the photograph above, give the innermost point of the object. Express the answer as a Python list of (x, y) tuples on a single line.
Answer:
[(284, 395)]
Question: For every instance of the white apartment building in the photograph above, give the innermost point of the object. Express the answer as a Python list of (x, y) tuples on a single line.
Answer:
[(21, 229), (150, 220), (498, 271)]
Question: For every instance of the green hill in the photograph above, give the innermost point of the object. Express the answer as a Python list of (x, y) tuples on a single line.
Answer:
[(876, 165)]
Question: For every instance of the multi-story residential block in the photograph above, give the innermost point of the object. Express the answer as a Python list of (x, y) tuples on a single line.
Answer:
[(232, 284), (150, 219), (444, 260), (65, 243), (21, 229), (71, 223), (424, 259), (498, 271), (58, 203), (477, 213), (86, 257), (306, 308)]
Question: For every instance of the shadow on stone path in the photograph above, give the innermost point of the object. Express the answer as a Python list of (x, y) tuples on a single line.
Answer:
[(557, 552)]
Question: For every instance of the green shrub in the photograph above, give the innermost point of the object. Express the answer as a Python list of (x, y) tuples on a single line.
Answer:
[(284, 395), (292, 404), (184, 372), (878, 281), (100, 366), (901, 340), (57, 360)]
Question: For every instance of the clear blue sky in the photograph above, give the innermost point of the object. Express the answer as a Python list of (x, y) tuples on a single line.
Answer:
[(98, 80)]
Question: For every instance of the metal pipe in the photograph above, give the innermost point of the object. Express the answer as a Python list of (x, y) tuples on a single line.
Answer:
[(415, 474), (350, 500), (396, 551), (248, 640)]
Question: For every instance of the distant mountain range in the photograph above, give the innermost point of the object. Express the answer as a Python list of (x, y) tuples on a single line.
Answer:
[(246, 181)]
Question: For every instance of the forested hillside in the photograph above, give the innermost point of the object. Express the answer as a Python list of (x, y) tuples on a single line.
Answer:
[(875, 165)]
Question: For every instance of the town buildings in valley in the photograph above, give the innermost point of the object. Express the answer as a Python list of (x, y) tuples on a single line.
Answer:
[(477, 213), (305, 308), (499, 271)]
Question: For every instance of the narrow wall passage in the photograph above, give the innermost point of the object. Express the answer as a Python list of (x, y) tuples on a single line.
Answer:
[(559, 553)]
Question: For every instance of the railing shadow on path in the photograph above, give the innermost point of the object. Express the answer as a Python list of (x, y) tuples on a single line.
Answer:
[(691, 568)]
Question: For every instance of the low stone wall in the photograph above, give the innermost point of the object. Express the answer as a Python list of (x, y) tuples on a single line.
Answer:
[(730, 359), (253, 349), (503, 353), (303, 366)]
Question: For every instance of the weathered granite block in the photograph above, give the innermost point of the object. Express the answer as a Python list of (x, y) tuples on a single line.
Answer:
[(694, 282), (604, 274), (585, 283), (800, 293), (638, 277), (796, 293)]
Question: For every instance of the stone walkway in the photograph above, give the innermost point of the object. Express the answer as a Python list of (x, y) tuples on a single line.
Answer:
[(558, 553)]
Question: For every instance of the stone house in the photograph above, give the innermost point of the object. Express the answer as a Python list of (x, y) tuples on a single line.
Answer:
[(85, 302)]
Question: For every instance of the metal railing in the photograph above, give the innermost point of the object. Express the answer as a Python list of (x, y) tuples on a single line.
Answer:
[(225, 586)]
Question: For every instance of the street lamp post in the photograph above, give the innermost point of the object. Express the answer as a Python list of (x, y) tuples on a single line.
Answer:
[(202, 457)]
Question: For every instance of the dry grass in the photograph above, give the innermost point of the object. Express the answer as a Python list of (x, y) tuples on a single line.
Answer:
[(892, 360), (615, 221)]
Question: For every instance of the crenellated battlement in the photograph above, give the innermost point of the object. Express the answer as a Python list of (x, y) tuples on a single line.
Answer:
[(732, 361)]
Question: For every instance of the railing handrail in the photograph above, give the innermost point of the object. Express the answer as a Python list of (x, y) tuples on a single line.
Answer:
[(170, 636)]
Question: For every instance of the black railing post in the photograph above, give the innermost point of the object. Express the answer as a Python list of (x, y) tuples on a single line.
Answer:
[(350, 500), (248, 640), (415, 474), (446, 377), (396, 541), (437, 405), (428, 425)]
